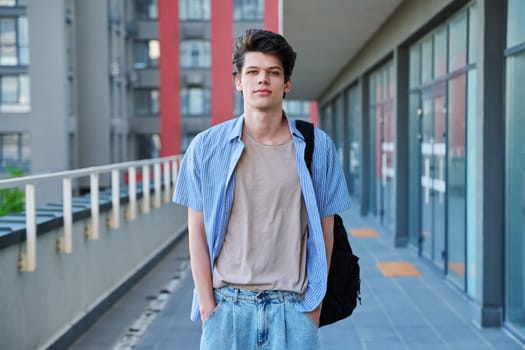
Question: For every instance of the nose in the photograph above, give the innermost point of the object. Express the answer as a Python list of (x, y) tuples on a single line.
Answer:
[(263, 77)]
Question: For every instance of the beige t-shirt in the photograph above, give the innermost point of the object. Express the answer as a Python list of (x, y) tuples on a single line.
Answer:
[(265, 242)]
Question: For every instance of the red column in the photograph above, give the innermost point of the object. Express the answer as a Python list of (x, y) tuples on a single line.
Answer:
[(221, 64), (169, 73), (271, 15), (314, 113)]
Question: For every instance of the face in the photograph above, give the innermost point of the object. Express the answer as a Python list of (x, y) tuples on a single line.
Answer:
[(262, 82)]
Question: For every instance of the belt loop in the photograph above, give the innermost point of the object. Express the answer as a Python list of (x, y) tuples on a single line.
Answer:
[(235, 295), (281, 296)]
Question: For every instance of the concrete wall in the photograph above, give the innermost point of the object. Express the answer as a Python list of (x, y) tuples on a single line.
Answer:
[(93, 83), (39, 307), (47, 68)]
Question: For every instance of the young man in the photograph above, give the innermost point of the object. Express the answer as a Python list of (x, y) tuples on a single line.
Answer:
[(260, 227)]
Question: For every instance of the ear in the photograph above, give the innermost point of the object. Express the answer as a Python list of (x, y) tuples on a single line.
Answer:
[(288, 86), (238, 83)]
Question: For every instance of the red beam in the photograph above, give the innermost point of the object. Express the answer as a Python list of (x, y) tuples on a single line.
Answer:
[(169, 73), (221, 64), (271, 15)]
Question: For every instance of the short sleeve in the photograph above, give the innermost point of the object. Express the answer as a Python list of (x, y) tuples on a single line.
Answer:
[(188, 187), (334, 197)]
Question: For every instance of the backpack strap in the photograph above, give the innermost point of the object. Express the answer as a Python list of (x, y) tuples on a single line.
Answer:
[(307, 130)]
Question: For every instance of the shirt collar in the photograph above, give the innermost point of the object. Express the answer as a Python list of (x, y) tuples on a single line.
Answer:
[(236, 130)]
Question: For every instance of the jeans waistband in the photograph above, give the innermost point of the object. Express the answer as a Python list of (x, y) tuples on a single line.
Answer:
[(256, 296)]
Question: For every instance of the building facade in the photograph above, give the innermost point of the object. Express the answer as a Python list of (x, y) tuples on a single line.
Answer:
[(80, 82), (428, 118)]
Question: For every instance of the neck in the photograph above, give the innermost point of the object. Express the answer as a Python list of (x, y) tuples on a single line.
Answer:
[(269, 128)]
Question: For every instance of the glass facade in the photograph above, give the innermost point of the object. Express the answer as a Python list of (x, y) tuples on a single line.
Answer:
[(147, 102), (354, 130), (146, 54), (297, 109), (15, 151), (515, 168), (14, 93), (146, 9), (148, 146), (194, 10), (439, 94), (195, 54), (381, 116), (14, 41), (195, 101), (248, 10), (14, 54)]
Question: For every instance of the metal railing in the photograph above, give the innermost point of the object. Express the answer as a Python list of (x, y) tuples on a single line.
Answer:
[(164, 173)]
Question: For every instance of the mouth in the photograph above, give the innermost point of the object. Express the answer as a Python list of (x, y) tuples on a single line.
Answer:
[(263, 92)]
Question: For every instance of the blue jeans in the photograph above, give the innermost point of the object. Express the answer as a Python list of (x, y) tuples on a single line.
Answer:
[(251, 320)]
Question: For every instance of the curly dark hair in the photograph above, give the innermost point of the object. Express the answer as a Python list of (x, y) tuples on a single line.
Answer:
[(258, 40)]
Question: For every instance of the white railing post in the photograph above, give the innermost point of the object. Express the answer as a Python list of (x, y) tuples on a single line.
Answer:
[(157, 185), (132, 189), (175, 171), (114, 221), (167, 182), (92, 231), (145, 189), (28, 258), (65, 243)]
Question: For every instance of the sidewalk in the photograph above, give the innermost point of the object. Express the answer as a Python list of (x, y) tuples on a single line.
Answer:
[(414, 312)]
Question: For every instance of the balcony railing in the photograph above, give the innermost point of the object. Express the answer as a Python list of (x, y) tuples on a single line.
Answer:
[(162, 180)]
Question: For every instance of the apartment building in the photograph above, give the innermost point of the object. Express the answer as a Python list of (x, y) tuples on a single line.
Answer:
[(80, 83)]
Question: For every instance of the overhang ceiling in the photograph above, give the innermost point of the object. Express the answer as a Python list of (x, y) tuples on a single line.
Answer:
[(326, 34)]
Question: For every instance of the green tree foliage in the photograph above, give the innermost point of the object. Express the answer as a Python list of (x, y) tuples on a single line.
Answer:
[(12, 200)]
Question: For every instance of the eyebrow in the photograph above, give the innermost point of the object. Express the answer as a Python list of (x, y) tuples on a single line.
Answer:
[(257, 67)]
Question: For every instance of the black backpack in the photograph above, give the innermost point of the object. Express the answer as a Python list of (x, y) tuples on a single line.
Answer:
[(344, 282)]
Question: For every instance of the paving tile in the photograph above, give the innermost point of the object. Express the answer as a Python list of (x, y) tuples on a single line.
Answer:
[(384, 345), (398, 269), (424, 312), (363, 232)]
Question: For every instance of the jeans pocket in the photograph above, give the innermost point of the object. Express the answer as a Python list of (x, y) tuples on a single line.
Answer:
[(213, 313), (310, 320)]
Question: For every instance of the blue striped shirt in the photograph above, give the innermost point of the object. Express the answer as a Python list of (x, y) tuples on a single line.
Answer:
[(206, 183)]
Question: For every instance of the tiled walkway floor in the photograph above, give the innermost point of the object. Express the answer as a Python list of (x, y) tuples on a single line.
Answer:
[(417, 311)]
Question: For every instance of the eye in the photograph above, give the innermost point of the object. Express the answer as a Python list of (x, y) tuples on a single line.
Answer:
[(275, 72), (251, 72)]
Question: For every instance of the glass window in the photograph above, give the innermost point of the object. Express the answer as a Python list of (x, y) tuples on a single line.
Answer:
[(458, 42), (146, 9), (8, 3), (440, 53), (354, 129), (456, 178), (415, 66), (473, 33), (148, 146), (14, 93), (195, 54), (147, 54), (23, 41), (297, 108), (14, 151), (195, 101), (14, 41), (147, 102), (515, 27), (382, 132), (196, 10), (515, 193), (426, 61), (248, 10)]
